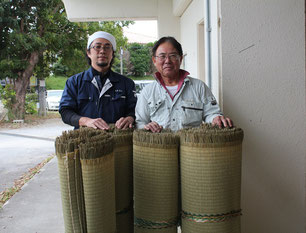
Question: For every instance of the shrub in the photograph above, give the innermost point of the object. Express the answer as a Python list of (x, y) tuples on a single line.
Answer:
[(31, 103), (8, 98)]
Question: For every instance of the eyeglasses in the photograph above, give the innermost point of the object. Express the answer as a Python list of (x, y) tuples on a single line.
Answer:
[(172, 57), (99, 47)]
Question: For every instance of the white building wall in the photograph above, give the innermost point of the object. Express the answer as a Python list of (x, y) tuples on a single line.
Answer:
[(190, 20), (215, 44), (263, 79), (168, 24), (192, 16)]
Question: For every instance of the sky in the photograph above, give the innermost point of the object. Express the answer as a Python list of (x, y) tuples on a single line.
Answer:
[(143, 31)]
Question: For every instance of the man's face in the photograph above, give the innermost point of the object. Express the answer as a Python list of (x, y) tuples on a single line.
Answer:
[(167, 60), (101, 54)]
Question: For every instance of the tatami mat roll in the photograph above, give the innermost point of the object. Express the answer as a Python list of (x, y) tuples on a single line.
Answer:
[(211, 180), (70, 173), (65, 194), (72, 198), (155, 163), (123, 155), (97, 161)]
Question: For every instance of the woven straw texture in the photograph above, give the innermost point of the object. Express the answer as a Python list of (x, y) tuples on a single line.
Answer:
[(98, 171), (211, 180), (71, 188), (70, 199), (70, 172), (123, 154), (99, 194), (155, 164)]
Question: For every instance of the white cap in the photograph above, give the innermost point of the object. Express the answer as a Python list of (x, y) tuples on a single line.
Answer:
[(104, 35)]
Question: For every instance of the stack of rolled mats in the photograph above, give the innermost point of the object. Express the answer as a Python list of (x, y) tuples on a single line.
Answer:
[(195, 172), (128, 181), (71, 181), (86, 161)]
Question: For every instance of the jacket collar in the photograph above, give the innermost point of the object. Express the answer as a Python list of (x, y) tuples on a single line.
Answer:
[(183, 77), (91, 73)]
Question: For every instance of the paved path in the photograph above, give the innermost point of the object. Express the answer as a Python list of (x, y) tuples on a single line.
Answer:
[(24, 148), (36, 208)]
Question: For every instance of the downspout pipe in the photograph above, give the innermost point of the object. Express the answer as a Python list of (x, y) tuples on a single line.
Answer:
[(208, 44)]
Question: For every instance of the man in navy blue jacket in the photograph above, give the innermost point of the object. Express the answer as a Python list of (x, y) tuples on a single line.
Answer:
[(99, 96)]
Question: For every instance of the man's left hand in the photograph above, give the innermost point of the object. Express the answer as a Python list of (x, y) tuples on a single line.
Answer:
[(125, 122), (222, 121)]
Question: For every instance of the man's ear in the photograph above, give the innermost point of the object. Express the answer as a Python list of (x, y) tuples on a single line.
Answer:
[(154, 60)]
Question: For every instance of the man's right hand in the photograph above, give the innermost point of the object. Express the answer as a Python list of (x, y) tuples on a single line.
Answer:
[(97, 123), (154, 127)]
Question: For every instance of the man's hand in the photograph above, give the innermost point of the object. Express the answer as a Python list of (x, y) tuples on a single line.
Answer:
[(154, 127), (125, 122), (222, 121), (97, 123)]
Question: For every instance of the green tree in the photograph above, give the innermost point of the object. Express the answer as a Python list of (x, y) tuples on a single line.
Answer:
[(34, 35), (73, 60), (140, 58), (31, 30)]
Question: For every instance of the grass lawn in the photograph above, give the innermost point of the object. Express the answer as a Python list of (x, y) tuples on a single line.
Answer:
[(58, 82), (142, 78), (55, 83)]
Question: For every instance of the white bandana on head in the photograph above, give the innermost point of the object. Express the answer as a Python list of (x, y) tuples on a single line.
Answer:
[(104, 35)]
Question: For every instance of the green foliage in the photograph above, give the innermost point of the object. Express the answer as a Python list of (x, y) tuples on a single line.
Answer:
[(8, 98), (59, 69), (140, 58), (117, 66), (43, 27), (22, 33), (31, 103), (55, 83), (71, 63)]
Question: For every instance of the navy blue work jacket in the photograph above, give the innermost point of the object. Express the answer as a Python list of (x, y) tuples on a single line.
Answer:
[(117, 98)]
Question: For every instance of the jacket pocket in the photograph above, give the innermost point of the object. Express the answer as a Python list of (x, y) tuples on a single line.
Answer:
[(118, 97), (85, 100), (192, 113)]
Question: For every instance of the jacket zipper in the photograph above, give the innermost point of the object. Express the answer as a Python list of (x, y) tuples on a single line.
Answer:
[(198, 109)]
